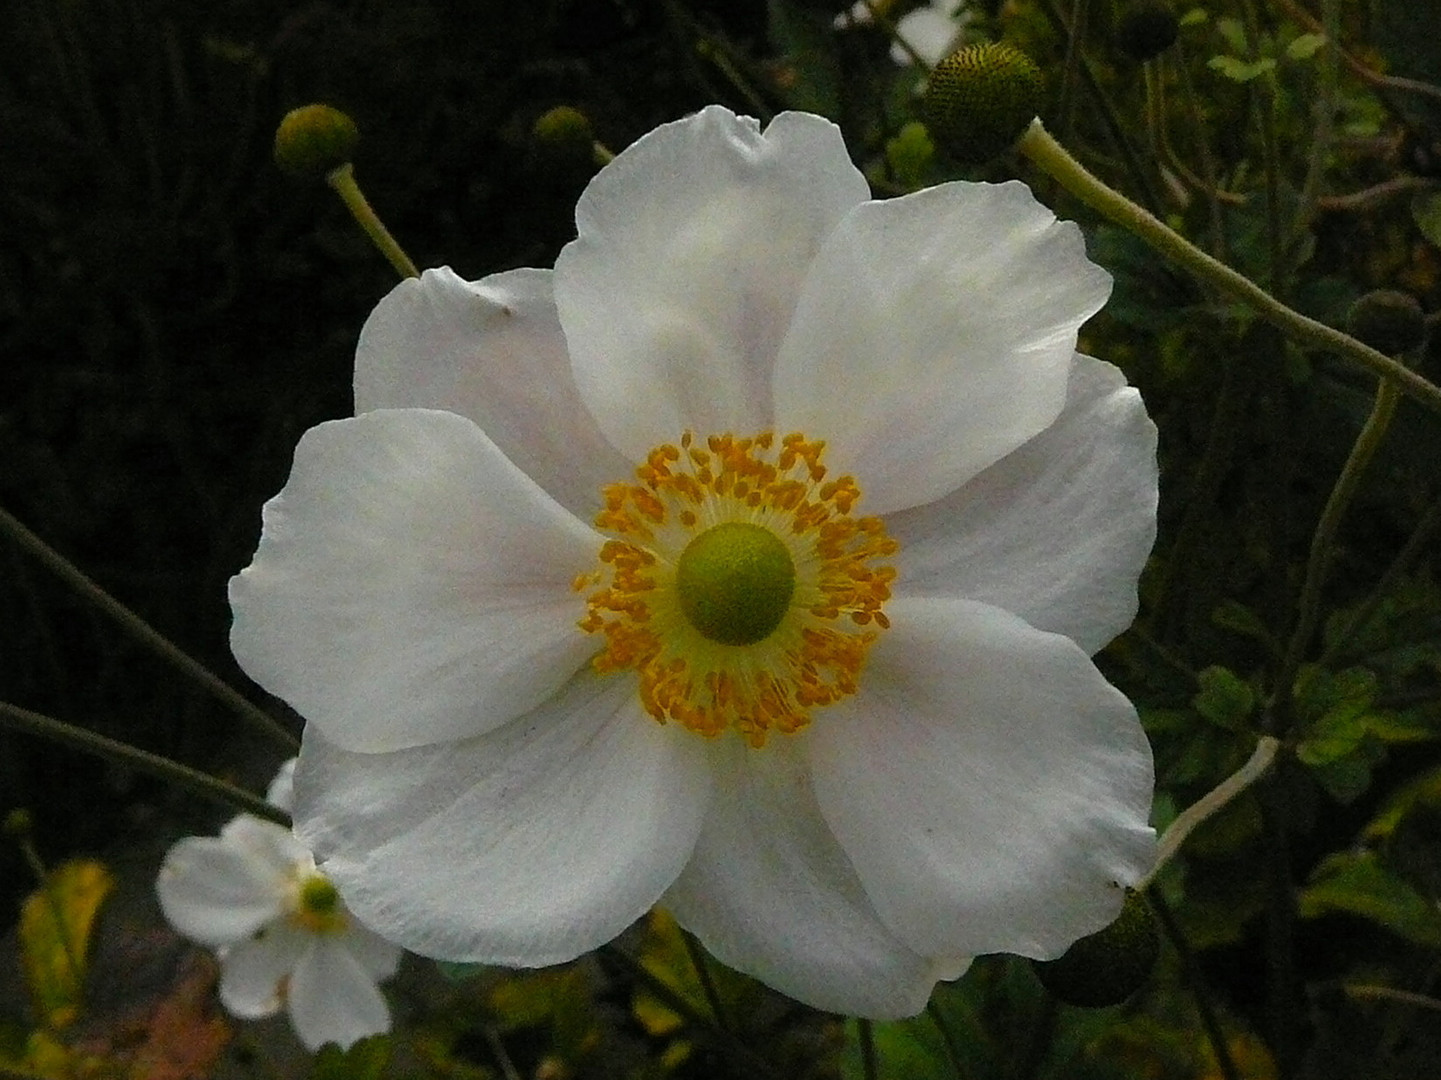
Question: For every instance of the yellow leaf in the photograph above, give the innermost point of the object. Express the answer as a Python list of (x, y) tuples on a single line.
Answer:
[(55, 925)]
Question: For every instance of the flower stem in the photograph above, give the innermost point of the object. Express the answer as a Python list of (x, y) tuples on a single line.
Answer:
[(869, 1066), (1204, 807), (1053, 159), (192, 780), (144, 633), (342, 179), (1324, 539), (1192, 974)]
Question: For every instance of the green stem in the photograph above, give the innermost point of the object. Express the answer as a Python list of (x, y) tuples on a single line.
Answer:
[(870, 1068), (146, 634), (697, 955), (342, 180), (953, 1051), (192, 780), (1053, 159), (1191, 972), (1324, 540)]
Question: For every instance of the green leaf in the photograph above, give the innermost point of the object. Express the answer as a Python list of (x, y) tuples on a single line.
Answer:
[(1238, 70), (909, 154), (1426, 213), (1195, 17), (1239, 619), (1359, 885), (365, 1060), (1225, 699), (1234, 33), (455, 972), (1305, 46), (54, 932)]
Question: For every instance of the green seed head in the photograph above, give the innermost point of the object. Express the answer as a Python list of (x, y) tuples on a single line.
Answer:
[(318, 896), (313, 141), (735, 583), (981, 99), (1390, 322), (1107, 967)]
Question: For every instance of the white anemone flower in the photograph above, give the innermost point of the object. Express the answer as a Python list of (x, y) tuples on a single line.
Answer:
[(282, 933), (748, 564), (932, 30)]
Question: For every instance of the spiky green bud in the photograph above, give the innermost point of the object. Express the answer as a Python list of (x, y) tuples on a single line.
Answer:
[(1390, 322), (1146, 30), (1107, 967), (981, 99), (314, 140)]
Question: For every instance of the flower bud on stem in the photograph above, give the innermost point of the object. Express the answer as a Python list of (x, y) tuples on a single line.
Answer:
[(342, 179), (1053, 159)]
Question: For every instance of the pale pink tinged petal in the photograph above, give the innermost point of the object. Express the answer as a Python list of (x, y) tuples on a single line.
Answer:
[(491, 350), (526, 846), (770, 893), (989, 786), (691, 249), (281, 792), (934, 335), (333, 999), (1057, 531), (411, 585), (253, 973), (214, 892), (376, 955)]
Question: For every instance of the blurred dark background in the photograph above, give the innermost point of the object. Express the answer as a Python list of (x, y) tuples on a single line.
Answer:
[(174, 312)]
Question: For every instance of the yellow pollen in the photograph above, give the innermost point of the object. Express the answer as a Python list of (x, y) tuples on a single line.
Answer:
[(813, 656)]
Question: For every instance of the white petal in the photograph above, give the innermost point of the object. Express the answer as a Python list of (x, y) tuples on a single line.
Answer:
[(769, 892), (930, 32), (934, 335), (253, 973), (1057, 531), (526, 846), (989, 786), (333, 998), (691, 248), (281, 792), (411, 584), (493, 351), (214, 892), (376, 955)]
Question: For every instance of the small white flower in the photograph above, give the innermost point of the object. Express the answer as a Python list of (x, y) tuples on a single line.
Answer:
[(282, 933), (747, 564), (932, 31)]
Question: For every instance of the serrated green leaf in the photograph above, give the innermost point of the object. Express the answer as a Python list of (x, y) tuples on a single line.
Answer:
[(1225, 699), (1238, 70), (1305, 46), (1359, 885), (1234, 33), (1346, 778)]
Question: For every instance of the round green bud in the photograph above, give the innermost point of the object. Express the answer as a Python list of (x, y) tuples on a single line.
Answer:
[(981, 99), (564, 126), (1107, 967), (1146, 30), (735, 583), (313, 141), (17, 822), (1390, 322), (318, 896)]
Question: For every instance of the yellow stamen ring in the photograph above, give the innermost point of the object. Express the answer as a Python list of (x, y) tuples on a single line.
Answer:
[(742, 590), (318, 907)]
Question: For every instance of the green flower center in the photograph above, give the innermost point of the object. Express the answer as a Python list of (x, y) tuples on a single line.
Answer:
[(735, 582), (317, 906)]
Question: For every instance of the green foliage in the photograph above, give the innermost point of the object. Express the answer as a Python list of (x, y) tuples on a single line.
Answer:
[(364, 1060)]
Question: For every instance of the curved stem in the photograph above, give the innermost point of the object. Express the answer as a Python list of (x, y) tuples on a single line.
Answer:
[(1053, 159), (146, 634), (1324, 539), (192, 780), (1208, 804), (342, 180)]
